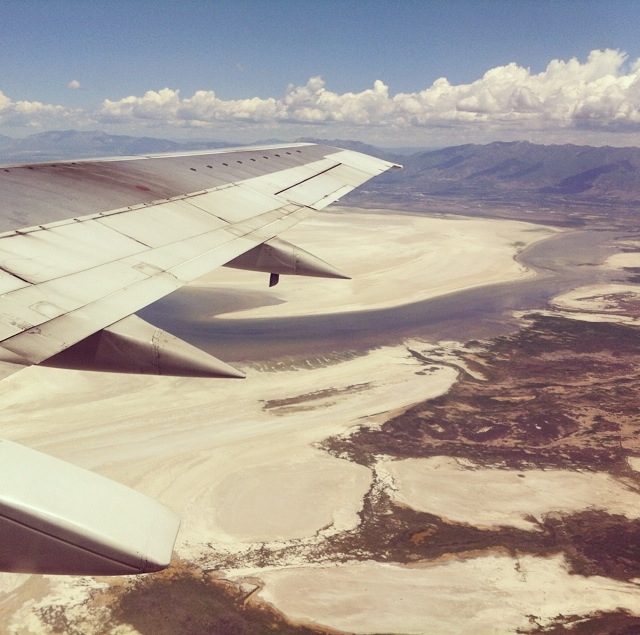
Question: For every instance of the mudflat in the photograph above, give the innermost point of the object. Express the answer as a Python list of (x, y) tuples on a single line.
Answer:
[(303, 488)]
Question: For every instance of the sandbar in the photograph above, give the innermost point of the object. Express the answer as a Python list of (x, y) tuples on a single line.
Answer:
[(463, 492), (392, 258), (617, 303)]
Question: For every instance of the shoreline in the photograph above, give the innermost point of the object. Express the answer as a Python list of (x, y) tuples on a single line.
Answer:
[(240, 462), (407, 259)]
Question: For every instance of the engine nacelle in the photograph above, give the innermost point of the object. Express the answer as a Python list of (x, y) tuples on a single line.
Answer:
[(57, 518)]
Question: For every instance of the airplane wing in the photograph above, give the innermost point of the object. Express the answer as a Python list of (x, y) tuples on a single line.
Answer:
[(128, 232), (104, 239)]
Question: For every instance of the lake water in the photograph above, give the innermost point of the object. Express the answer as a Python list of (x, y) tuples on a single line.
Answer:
[(564, 261)]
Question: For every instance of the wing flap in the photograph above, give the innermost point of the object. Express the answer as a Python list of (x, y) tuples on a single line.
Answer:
[(49, 338), (35, 305), (52, 252), (235, 204), (10, 283), (277, 182), (35, 327), (364, 162), (327, 187)]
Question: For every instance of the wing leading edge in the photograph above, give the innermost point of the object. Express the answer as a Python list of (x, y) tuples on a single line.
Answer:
[(119, 235)]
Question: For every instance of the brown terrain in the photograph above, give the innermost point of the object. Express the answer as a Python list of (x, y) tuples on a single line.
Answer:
[(559, 393)]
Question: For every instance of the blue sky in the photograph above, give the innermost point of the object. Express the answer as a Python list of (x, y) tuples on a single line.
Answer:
[(241, 70)]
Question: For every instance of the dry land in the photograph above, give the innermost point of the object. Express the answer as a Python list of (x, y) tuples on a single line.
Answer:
[(478, 487)]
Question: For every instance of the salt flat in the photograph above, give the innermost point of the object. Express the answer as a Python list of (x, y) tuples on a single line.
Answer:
[(462, 492), (238, 459), (496, 594)]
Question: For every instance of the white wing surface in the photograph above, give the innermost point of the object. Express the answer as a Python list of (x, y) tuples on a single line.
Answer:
[(142, 227), (102, 240)]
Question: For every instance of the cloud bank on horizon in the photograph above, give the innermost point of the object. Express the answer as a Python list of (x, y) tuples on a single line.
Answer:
[(598, 99)]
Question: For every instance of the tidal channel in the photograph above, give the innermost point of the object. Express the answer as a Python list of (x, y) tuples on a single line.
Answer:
[(563, 262)]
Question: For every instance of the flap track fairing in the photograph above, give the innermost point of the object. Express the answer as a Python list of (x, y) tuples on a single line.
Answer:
[(135, 346), (277, 256)]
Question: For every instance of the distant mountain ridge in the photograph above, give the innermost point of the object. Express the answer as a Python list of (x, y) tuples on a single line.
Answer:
[(74, 144), (497, 174), (509, 171), (516, 174), (554, 169)]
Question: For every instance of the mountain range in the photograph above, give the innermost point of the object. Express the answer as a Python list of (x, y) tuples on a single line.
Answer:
[(554, 184), (497, 175), (74, 144), (498, 170)]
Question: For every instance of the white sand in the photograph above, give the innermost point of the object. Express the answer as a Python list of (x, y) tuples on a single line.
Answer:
[(491, 594), (622, 260), (189, 442), (491, 497), (200, 446), (604, 302), (288, 500), (393, 259)]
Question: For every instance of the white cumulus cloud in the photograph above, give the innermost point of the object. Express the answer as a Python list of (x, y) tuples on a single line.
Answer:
[(604, 90), (203, 107), (31, 113), (601, 93), (74, 84), (561, 95)]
